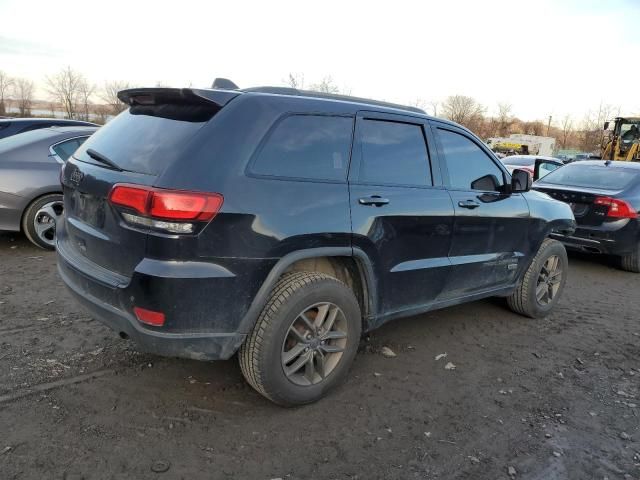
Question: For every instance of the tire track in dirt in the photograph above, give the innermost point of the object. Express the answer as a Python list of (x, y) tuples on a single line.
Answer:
[(44, 387)]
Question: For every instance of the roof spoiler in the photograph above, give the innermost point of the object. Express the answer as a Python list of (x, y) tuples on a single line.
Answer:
[(189, 96), (224, 84)]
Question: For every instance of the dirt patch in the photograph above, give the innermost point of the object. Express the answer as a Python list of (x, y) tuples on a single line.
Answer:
[(550, 399)]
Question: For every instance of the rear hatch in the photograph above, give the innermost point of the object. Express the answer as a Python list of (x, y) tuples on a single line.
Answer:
[(133, 148), (591, 190)]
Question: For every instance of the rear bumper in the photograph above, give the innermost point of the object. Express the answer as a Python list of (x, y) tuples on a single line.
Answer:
[(609, 239), (203, 312), (198, 346)]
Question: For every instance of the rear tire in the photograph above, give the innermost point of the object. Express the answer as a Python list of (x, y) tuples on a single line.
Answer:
[(39, 220), (631, 261), (312, 321), (543, 282)]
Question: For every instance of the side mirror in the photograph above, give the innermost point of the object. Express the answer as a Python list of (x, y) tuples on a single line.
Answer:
[(606, 126), (520, 181), (488, 183)]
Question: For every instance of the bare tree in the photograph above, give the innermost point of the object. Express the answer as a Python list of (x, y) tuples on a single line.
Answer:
[(102, 113), (85, 91), (463, 110), (533, 128), (6, 83), (65, 88), (419, 102), (23, 92), (491, 126), (592, 126), (567, 126), (325, 85), (295, 80), (504, 119), (434, 107), (109, 95)]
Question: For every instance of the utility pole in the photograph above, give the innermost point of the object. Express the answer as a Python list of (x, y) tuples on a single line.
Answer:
[(548, 125)]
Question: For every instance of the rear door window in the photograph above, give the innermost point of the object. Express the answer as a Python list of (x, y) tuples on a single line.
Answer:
[(393, 153), (466, 162), (313, 147)]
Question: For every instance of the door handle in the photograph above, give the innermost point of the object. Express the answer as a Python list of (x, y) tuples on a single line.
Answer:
[(468, 204), (376, 200)]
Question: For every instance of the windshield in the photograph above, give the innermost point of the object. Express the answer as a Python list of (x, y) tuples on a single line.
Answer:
[(145, 139), (630, 131), (593, 176)]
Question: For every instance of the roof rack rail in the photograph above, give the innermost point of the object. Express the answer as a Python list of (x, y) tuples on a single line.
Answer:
[(332, 96)]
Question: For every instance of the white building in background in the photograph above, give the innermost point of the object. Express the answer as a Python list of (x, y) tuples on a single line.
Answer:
[(536, 144)]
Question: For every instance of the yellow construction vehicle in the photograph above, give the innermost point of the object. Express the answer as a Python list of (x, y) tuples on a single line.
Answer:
[(510, 148), (623, 143)]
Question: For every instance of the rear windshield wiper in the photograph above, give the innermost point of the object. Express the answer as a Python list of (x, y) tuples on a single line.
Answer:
[(102, 159)]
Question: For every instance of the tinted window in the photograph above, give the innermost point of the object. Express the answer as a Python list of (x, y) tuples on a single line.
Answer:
[(307, 146), (593, 176), (147, 140), (466, 161), (65, 149), (393, 153)]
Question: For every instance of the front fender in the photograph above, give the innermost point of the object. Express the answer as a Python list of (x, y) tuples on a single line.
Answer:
[(547, 216)]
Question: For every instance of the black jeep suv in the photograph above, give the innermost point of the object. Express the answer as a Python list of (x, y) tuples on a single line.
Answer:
[(282, 224)]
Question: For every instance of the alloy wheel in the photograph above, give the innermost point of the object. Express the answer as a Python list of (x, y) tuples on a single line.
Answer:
[(549, 280), (314, 344), (44, 222)]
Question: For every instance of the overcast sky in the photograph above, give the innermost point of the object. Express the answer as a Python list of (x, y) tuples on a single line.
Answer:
[(545, 57)]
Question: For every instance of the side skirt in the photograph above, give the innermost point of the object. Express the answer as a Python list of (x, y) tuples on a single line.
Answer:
[(436, 305)]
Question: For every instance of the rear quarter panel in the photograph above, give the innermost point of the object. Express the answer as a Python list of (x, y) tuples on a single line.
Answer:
[(262, 219)]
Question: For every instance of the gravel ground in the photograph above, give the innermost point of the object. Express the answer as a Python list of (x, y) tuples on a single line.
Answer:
[(548, 399)]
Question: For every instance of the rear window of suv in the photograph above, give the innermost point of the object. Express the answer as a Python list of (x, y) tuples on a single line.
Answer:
[(592, 176), (314, 147), (147, 140)]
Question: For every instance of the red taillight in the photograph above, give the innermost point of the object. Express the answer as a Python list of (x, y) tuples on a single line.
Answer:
[(184, 205), (172, 205), (616, 208), (149, 317), (136, 198)]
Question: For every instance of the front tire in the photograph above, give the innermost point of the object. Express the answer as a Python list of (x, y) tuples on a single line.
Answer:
[(304, 341), (40, 218), (543, 282)]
